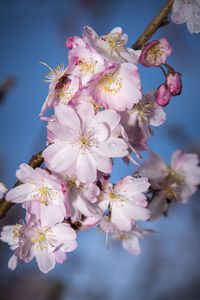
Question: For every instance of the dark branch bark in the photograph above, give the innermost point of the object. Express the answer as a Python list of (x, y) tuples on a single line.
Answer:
[(158, 21)]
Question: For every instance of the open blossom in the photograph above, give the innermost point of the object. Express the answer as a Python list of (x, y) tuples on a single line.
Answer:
[(129, 239), (111, 45), (179, 180), (88, 63), (63, 86), (10, 235), (83, 142), (120, 89), (187, 12), (45, 239), (155, 53), (81, 198), (137, 121), (126, 201), (37, 185)]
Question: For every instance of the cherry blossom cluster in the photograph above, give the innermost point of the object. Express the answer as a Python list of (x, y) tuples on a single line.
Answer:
[(187, 11), (96, 111)]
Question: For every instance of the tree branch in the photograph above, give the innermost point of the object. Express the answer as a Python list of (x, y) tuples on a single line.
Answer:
[(35, 162), (158, 21)]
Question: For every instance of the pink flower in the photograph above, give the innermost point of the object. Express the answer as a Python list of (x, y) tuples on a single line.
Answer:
[(186, 167), (126, 201), (87, 63), (174, 83), (62, 88), (137, 121), (111, 45), (155, 53), (163, 95), (120, 89), (37, 185), (75, 41), (187, 11), (130, 240), (10, 235), (84, 142), (81, 198), (178, 181), (45, 239)]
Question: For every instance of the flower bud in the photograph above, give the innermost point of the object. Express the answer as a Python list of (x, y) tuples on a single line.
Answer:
[(174, 83), (155, 53), (163, 95)]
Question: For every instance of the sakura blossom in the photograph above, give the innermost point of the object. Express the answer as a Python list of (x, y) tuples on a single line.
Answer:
[(63, 86), (130, 240), (111, 45), (138, 120), (37, 185), (155, 53), (46, 239), (81, 198), (120, 89), (187, 11), (10, 235), (126, 201), (179, 181), (84, 142)]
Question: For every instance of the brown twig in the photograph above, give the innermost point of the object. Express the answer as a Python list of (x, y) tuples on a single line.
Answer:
[(35, 162), (158, 21)]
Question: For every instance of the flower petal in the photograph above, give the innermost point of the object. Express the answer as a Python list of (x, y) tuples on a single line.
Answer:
[(86, 167), (113, 147), (60, 156), (46, 261)]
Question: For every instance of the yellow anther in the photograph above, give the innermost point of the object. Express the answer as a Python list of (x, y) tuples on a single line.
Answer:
[(110, 83)]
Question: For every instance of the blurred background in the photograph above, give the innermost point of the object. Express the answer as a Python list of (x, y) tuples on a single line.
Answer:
[(169, 265)]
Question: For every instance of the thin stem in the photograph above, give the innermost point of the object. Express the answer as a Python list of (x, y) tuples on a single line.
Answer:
[(153, 25)]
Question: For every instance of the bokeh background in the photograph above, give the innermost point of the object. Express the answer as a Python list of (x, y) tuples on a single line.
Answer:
[(169, 265)]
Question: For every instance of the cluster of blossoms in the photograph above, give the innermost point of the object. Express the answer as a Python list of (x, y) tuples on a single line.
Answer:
[(187, 11), (99, 113)]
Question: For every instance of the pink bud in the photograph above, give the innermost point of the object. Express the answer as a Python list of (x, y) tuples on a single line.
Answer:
[(163, 95), (155, 53), (174, 83)]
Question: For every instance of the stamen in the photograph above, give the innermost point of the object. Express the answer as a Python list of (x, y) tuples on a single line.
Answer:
[(111, 83)]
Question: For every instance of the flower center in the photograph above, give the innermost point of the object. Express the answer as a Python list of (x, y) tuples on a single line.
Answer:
[(43, 194), (15, 231), (111, 83), (65, 94), (84, 140), (114, 42), (113, 196), (43, 239), (87, 67), (174, 176), (155, 51), (144, 110)]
